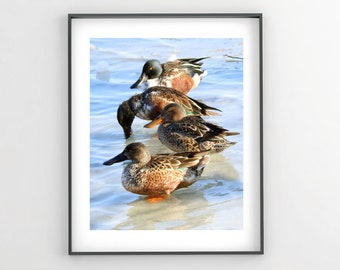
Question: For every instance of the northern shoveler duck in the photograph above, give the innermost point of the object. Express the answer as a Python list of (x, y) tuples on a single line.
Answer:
[(149, 104), (189, 133), (181, 74), (157, 175)]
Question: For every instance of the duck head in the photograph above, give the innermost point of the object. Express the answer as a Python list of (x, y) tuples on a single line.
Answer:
[(125, 117), (171, 113), (151, 70), (136, 152)]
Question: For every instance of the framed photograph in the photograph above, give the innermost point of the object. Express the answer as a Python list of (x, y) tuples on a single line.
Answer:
[(165, 134)]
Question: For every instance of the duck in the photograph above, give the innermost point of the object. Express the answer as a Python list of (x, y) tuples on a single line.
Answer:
[(150, 103), (158, 175), (181, 74), (189, 133)]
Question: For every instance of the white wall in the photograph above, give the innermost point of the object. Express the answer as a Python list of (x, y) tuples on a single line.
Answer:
[(302, 133)]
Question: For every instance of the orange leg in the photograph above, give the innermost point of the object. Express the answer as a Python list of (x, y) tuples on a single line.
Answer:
[(156, 198)]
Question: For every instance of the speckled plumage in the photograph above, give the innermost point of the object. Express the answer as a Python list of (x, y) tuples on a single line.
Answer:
[(180, 74), (160, 174), (150, 103), (183, 133)]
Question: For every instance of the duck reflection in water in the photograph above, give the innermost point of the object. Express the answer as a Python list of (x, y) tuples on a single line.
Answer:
[(187, 209)]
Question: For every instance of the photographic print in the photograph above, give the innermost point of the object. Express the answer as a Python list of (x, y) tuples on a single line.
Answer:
[(165, 134), (214, 201)]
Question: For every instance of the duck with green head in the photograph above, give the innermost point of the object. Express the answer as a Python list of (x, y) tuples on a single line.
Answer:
[(150, 103), (181, 74)]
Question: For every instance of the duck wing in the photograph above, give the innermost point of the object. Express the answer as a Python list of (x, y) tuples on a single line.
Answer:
[(161, 96), (176, 161)]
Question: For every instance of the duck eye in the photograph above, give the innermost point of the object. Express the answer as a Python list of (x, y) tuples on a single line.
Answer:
[(150, 68)]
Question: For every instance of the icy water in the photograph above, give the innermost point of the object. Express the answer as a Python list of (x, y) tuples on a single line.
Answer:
[(215, 201)]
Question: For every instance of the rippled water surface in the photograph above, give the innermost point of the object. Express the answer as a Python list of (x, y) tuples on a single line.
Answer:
[(215, 201)]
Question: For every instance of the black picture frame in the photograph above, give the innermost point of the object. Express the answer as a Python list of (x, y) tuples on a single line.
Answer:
[(72, 121)]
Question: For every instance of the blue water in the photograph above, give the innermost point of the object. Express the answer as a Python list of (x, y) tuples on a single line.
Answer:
[(213, 202)]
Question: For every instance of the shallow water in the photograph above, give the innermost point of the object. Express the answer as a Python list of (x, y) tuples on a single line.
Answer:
[(215, 201)]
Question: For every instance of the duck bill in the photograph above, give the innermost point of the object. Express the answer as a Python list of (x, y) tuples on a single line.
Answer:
[(139, 82), (157, 121), (232, 133), (119, 158)]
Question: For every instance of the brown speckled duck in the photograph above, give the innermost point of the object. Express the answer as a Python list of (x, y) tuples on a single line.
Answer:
[(157, 175), (189, 133)]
